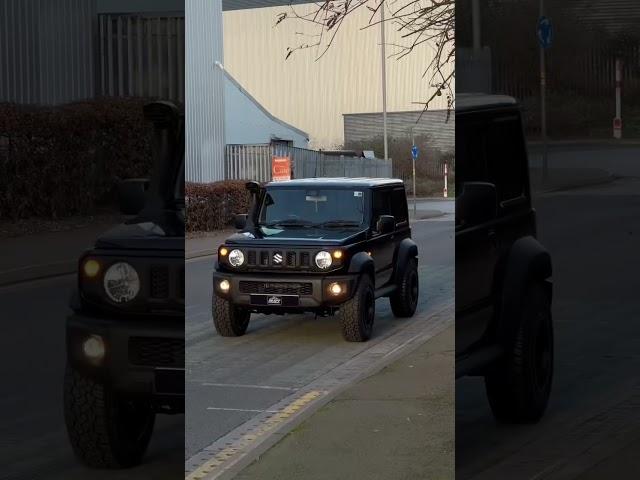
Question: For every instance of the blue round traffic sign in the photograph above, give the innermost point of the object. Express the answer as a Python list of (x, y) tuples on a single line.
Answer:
[(545, 32)]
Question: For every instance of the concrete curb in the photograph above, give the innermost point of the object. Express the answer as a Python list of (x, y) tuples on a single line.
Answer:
[(600, 180), (37, 272)]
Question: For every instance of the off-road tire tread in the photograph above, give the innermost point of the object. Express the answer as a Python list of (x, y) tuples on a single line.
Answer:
[(399, 300), (229, 321), (507, 389), (88, 417), (352, 330)]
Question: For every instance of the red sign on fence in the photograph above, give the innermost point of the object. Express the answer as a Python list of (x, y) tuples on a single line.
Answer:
[(280, 168)]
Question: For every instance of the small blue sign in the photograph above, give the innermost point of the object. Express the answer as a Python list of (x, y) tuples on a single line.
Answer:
[(545, 32), (414, 152)]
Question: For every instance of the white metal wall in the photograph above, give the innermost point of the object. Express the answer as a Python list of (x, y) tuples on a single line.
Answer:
[(47, 52), (204, 96), (141, 55)]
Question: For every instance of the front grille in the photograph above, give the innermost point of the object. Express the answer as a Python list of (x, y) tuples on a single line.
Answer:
[(280, 259), (159, 283), (156, 352), (276, 288)]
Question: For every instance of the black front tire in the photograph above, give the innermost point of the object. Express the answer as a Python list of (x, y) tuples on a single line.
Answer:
[(404, 300), (518, 387), (105, 430), (229, 319), (358, 313)]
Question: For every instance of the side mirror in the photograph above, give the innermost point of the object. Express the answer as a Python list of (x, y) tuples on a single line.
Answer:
[(386, 224), (241, 221), (132, 194), (477, 203)]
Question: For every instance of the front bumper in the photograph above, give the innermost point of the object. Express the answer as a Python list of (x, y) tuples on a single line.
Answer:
[(315, 295), (143, 357)]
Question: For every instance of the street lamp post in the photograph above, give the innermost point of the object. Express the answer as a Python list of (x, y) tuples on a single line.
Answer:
[(543, 105), (384, 82)]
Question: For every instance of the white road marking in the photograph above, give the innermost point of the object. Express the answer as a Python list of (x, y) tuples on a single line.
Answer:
[(238, 385)]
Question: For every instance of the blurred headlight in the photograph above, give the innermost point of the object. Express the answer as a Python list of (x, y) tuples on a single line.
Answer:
[(236, 258), (323, 259), (121, 282), (91, 268)]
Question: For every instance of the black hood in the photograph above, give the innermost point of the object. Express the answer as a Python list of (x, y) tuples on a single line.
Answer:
[(161, 231), (299, 236)]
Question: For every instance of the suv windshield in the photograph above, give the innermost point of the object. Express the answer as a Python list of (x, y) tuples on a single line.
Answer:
[(292, 208)]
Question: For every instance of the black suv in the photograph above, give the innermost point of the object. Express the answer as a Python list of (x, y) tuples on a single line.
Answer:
[(318, 245), (125, 339), (503, 290)]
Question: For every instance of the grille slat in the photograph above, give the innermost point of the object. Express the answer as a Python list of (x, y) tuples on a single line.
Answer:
[(276, 288), (279, 259), (159, 285), (157, 352)]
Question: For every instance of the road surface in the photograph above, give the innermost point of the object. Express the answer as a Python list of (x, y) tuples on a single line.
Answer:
[(232, 381), (34, 441), (592, 427)]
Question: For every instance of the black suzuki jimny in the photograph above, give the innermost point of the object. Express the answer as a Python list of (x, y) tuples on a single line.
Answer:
[(318, 245), (125, 338), (504, 330)]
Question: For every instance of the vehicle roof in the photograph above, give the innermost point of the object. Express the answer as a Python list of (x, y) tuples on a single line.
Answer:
[(337, 182), (480, 101)]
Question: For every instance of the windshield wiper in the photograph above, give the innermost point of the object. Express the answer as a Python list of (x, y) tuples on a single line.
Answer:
[(290, 222), (338, 223)]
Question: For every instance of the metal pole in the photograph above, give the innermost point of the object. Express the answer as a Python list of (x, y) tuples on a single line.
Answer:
[(475, 14), (543, 103), (384, 82), (617, 126), (415, 201)]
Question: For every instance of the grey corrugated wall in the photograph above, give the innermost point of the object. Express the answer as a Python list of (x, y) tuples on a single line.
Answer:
[(204, 102), (46, 51), (365, 126)]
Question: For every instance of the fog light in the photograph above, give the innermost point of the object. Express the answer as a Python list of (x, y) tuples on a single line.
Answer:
[(335, 289), (91, 268), (337, 254), (225, 285), (223, 251), (93, 348)]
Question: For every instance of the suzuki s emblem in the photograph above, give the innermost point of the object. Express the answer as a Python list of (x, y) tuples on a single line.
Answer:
[(277, 258), (274, 300)]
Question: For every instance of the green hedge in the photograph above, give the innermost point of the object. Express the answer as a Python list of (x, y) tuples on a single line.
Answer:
[(63, 161), (213, 206)]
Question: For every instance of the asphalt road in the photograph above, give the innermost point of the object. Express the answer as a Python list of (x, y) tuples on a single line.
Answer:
[(592, 426), (232, 380), (34, 443)]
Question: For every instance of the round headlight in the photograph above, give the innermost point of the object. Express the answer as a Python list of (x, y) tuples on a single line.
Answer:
[(236, 258), (323, 259), (121, 282)]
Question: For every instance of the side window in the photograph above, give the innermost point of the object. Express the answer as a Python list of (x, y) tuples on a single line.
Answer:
[(399, 205), (470, 151), (381, 204), (506, 157)]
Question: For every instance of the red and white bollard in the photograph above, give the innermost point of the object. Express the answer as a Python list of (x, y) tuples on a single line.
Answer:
[(617, 121), (446, 174)]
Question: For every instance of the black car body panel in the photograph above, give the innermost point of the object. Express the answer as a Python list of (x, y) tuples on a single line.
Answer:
[(495, 256)]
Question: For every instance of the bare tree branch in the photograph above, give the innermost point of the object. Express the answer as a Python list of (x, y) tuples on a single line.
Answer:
[(419, 22)]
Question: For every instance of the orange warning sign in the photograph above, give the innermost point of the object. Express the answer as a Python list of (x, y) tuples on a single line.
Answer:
[(280, 169)]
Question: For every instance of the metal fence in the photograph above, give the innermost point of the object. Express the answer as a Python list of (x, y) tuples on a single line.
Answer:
[(253, 162), (141, 55)]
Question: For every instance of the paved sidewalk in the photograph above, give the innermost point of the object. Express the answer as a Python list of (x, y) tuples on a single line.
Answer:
[(395, 425), (48, 254)]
